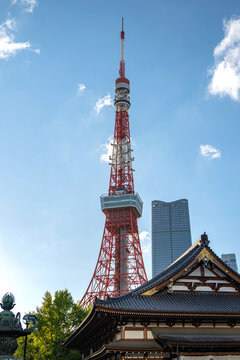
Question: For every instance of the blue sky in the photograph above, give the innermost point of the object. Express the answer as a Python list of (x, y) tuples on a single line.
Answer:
[(58, 64)]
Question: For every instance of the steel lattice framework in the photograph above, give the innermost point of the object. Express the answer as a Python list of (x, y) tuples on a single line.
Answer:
[(120, 267)]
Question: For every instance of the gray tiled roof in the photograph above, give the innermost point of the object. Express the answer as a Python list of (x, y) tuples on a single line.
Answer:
[(185, 302)]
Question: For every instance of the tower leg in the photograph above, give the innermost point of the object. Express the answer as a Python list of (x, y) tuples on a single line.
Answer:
[(120, 266)]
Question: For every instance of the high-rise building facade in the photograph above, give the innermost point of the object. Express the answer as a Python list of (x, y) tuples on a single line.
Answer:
[(230, 260), (171, 233)]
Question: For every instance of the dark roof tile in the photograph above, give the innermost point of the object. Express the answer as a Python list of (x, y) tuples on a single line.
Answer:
[(185, 302)]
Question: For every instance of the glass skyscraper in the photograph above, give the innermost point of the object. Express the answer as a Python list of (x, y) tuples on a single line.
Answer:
[(230, 260), (171, 233)]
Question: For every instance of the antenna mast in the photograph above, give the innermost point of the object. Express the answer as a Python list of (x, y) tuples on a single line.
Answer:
[(122, 57)]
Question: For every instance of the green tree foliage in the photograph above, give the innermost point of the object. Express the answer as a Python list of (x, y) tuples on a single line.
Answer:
[(57, 317)]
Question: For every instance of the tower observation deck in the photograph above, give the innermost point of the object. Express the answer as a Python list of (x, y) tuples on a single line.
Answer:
[(120, 267)]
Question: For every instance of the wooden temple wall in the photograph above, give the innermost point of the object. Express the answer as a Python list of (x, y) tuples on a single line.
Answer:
[(138, 332)]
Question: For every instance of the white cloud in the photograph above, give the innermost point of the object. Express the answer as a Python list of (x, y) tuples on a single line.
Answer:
[(105, 101), (210, 151), (8, 45), (10, 24), (81, 88), (226, 72), (37, 51), (107, 150), (145, 241), (29, 5)]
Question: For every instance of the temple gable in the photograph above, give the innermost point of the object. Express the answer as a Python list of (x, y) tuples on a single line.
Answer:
[(204, 278), (203, 271)]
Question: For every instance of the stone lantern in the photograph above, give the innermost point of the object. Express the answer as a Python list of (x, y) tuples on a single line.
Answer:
[(11, 327)]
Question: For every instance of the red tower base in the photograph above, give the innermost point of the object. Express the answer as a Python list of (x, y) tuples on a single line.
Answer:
[(120, 266)]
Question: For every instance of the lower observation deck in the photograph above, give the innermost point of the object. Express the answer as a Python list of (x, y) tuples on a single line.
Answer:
[(122, 201)]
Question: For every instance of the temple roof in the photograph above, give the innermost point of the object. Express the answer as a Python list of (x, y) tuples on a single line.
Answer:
[(198, 285), (156, 295), (177, 303)]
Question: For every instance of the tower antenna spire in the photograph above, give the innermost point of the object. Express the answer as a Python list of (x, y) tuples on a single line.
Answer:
[(122, 57)]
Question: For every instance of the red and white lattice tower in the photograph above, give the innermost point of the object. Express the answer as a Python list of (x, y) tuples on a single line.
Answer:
[(120, 266)]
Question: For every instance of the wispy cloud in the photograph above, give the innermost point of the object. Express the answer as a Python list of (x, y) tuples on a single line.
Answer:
[(225, 76), (29, 5), (210, 151), (107, 148), (102, 102), (8, 45), (145, 241), (81, 88)]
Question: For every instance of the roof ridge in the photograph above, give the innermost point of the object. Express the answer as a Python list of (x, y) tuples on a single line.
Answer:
[(168, 272)]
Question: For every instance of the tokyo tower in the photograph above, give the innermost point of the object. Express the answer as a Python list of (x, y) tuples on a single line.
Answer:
[(120, 267)]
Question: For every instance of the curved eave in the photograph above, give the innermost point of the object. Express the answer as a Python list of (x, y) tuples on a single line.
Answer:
[(130, 346), (93, 321), (163, 314), (81, 328)]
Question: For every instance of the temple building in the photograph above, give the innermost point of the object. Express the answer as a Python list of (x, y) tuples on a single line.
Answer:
[(189, 311)]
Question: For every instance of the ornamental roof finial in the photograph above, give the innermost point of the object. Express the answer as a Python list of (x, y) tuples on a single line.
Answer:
[(204, 239)]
